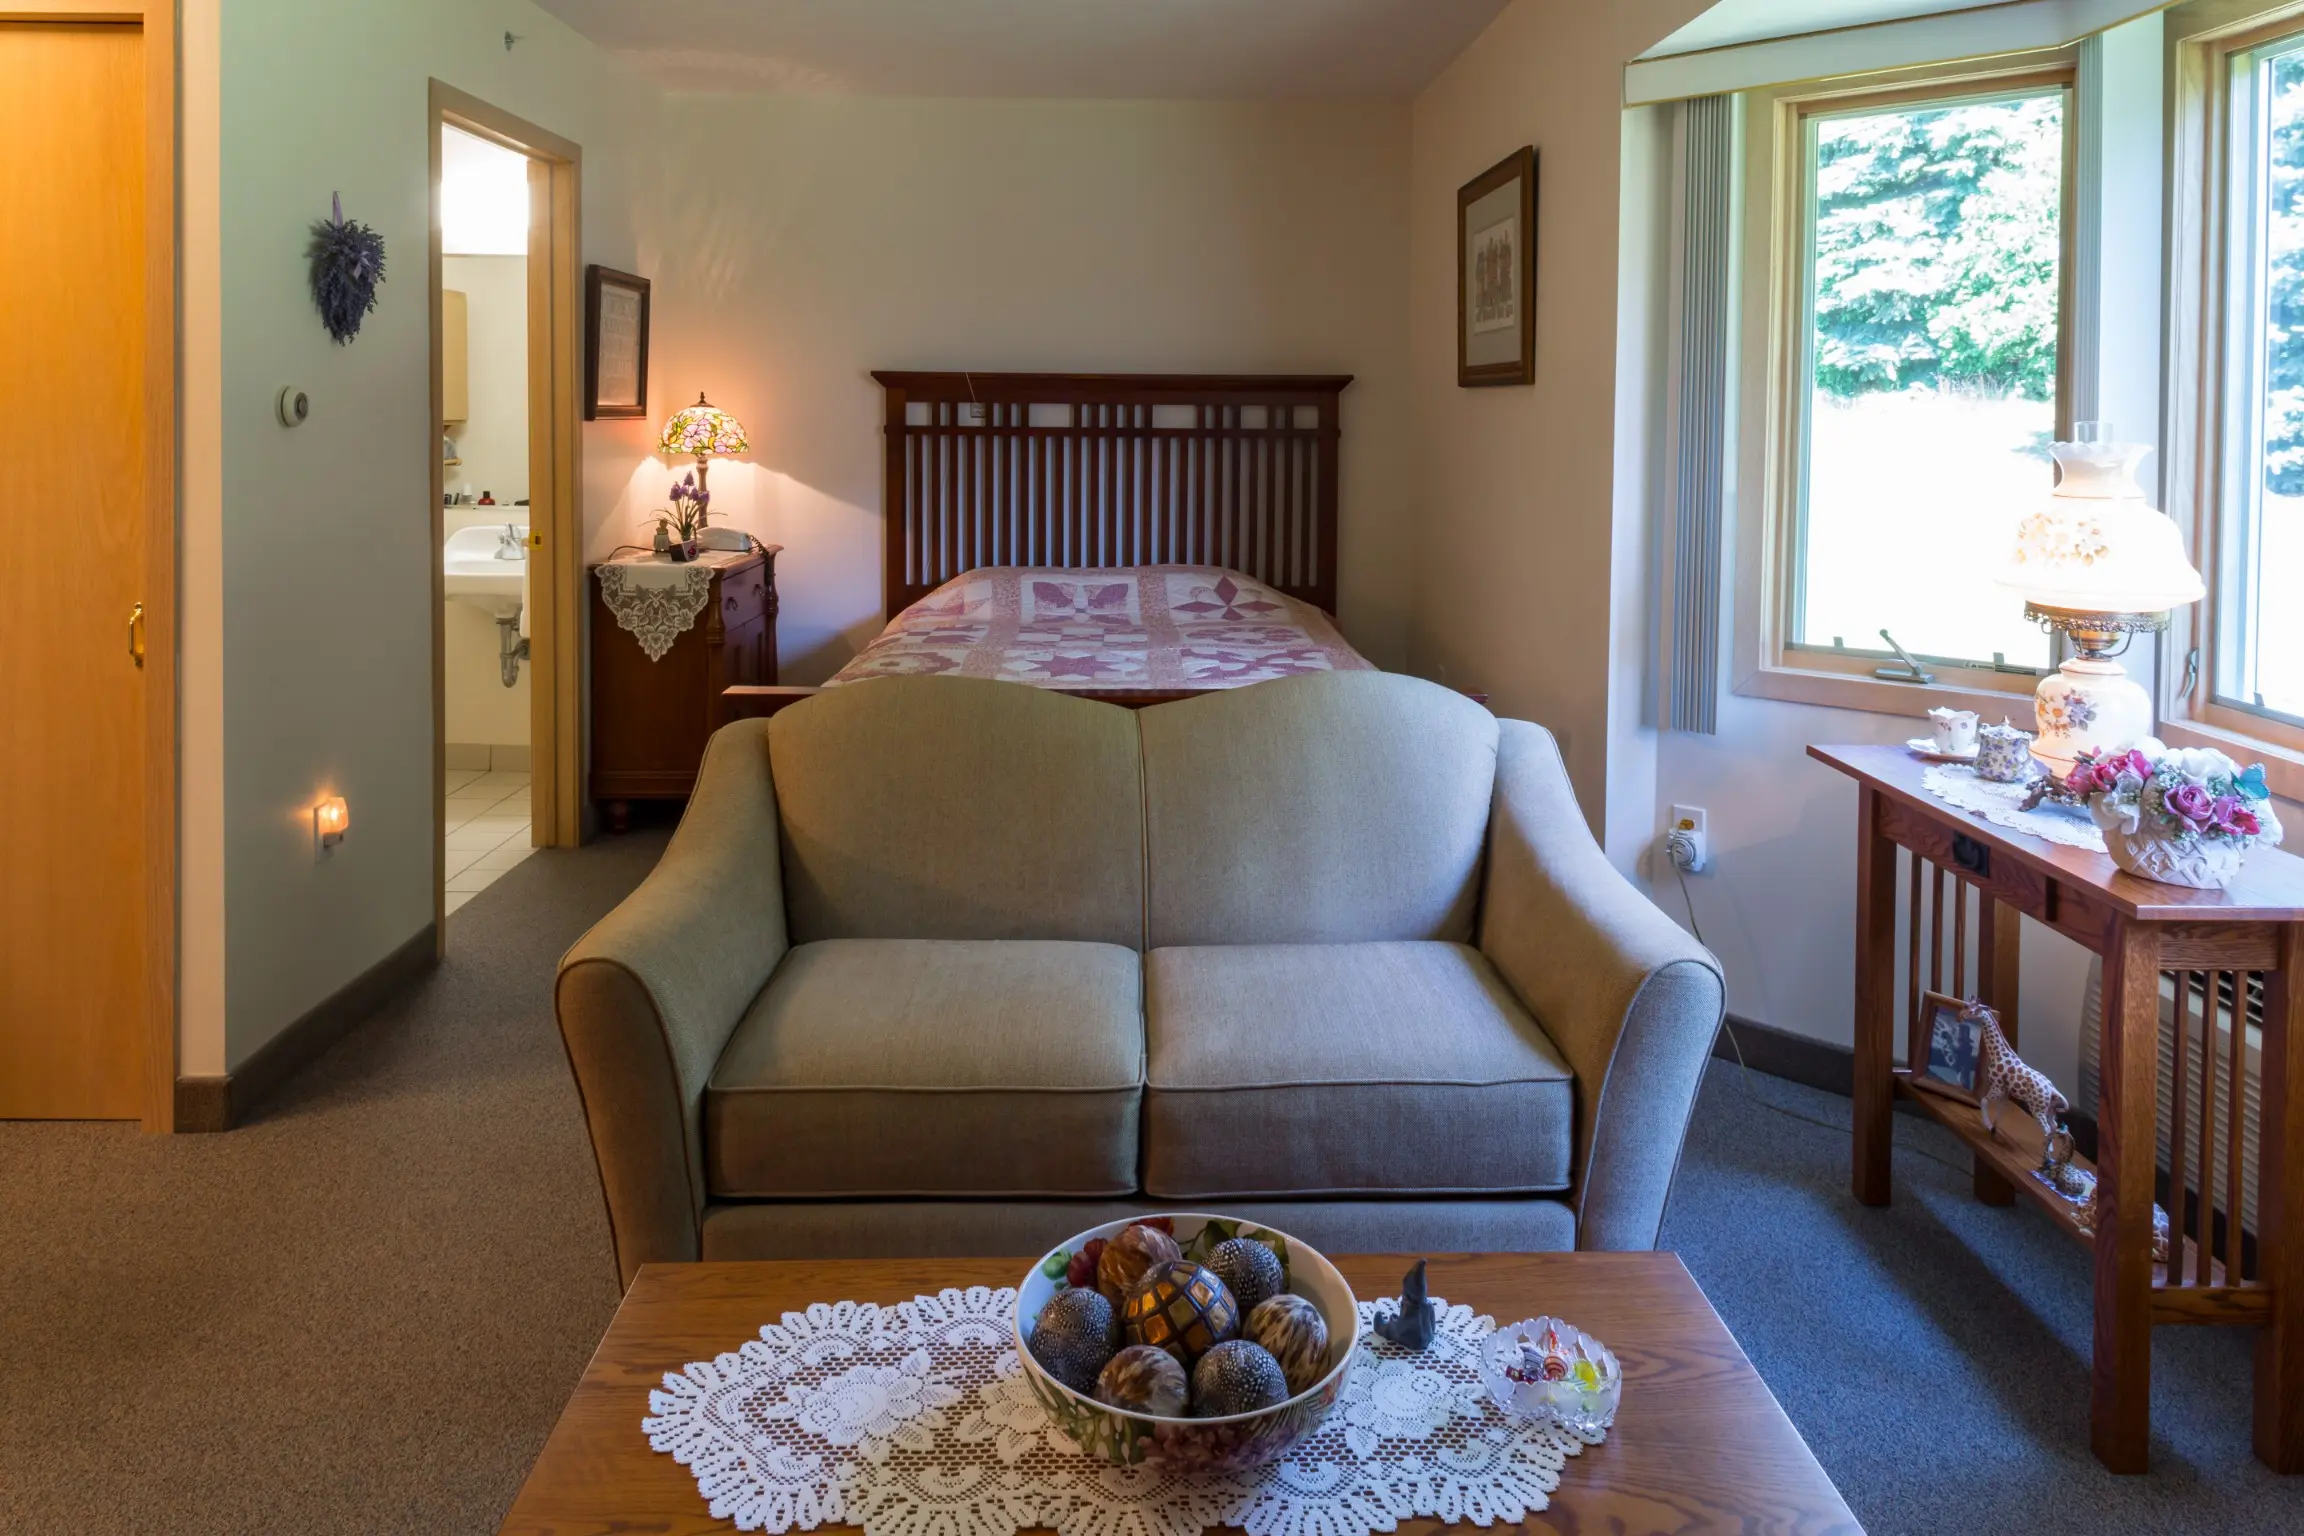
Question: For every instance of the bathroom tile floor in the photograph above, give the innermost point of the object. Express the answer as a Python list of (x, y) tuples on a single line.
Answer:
[(487, 829)]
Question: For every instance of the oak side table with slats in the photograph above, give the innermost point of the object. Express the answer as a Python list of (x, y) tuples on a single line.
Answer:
[(2143, 930)]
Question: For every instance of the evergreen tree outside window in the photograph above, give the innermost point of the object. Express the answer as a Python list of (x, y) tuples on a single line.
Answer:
[(1929, 368), (2258, 568)]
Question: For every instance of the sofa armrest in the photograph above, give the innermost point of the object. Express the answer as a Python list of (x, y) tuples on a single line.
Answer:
[(648, 999), (1630, 999)]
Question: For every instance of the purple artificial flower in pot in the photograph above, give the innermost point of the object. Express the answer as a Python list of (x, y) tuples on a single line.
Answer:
[(2192, 803)]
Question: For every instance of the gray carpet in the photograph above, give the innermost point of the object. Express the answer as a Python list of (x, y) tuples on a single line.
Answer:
[(363, 1311)]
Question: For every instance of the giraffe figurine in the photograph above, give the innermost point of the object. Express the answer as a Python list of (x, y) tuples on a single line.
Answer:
[(2002, 1074)]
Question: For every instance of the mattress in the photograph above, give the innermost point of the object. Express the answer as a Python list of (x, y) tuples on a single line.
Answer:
[(1153, 627)]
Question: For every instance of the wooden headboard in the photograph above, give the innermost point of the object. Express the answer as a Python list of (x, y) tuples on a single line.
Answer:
[(1111, 470)]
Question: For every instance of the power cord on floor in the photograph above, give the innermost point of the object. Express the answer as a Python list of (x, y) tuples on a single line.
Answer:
[(1688, 900)]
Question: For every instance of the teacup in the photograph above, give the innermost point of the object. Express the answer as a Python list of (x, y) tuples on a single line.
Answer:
[(1955, 730), (2003, 754)]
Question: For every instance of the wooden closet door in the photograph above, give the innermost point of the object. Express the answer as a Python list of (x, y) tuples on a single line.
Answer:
[(73, 525)]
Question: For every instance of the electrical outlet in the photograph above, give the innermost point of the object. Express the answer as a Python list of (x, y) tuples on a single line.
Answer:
[(1688, 839)]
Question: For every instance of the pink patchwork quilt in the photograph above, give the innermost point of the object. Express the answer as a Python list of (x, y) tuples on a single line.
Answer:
[(1141, 626)]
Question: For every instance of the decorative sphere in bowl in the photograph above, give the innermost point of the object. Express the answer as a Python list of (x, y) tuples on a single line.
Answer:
[(1187, 1442)]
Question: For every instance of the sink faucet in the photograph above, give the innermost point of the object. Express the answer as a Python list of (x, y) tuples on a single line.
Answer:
[(511, 546)]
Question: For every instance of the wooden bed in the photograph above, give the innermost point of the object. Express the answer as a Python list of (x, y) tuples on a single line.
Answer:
[(1105, 472)]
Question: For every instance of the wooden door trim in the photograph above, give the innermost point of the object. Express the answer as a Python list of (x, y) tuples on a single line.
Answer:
[(157, 20), (555, 614)]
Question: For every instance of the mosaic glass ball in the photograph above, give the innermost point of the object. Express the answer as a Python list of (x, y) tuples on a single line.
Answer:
[(1142, 1379), (1129, 1256), (1237, 1377), (1181, 1308), (1249, 1270), (1295, 1333), (1076, 1333)]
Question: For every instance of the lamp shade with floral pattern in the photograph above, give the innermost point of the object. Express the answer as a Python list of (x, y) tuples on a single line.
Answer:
[(704, 430)]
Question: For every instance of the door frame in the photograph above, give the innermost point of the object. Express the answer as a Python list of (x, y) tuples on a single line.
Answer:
[(555, 547), (157, 20)]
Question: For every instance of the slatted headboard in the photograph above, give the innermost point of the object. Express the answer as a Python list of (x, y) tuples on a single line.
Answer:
[(1111, 470)]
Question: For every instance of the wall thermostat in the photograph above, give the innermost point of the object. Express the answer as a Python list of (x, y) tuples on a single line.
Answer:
[(295, 405)]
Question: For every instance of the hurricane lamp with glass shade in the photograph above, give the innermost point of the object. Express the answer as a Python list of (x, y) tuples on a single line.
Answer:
[(707, 432), (2096, 561)]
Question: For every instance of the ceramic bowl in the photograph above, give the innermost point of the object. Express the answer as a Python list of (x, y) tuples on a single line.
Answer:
[(1232, 1444)]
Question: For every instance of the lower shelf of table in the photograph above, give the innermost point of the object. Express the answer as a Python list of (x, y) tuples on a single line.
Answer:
[(2013, 1151)]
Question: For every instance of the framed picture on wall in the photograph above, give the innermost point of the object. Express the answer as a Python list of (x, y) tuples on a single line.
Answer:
[(1947, 1048), (615, 345), (1496, 274)]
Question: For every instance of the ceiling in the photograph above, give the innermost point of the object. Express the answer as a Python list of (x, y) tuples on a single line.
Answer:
[(1747, 21), (1216, 49)]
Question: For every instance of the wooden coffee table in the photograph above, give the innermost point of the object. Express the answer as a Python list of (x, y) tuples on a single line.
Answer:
[(1699, 1443)]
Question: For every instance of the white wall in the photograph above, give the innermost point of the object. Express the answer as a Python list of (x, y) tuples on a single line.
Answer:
[(842, 235), (1518, 490), (308, 626), (493, 440)]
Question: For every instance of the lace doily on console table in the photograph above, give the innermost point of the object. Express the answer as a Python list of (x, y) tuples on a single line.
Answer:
[(2003, 806), (915, 1420), (656, 599)]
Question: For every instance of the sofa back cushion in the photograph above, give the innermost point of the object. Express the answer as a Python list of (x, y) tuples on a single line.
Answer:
[(959, 808), (1341, 807)]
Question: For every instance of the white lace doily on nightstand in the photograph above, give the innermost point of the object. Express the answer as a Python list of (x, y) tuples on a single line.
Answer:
[(2003, 806), (914, 1420)]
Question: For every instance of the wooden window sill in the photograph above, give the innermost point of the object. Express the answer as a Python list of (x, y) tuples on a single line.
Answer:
[(1878, 696)]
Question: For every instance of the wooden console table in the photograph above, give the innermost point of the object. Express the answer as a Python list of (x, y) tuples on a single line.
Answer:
[(2141, 929)]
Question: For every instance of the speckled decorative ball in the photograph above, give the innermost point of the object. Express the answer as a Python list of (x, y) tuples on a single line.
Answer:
[(1249, 1270), (1077, 1332), (1142, 1379), (1181, 1308), (1237, 1377), (1129, 1257), (1295, 1333)]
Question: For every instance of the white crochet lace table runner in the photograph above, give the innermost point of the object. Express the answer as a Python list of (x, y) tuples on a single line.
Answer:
[(915, 1420), (2002, 805), (656, 599)]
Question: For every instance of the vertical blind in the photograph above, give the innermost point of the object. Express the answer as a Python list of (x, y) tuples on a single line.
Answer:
[(1691, 696)]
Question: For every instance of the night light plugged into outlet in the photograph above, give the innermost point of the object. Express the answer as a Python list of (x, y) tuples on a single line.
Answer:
[(331, 819), (1688, 839)]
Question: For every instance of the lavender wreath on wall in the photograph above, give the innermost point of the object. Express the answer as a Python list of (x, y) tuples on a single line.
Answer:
[(347, 264)]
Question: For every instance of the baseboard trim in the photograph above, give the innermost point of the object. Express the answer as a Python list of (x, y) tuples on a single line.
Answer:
[(208, 1104), (1819, 1064)]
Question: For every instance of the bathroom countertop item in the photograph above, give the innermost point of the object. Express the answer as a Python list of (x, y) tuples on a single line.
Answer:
[(666, 640)]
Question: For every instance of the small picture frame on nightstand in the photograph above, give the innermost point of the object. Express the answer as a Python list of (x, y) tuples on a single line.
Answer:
[(1947, 1048)]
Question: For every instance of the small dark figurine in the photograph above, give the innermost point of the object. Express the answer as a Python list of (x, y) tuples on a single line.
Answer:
[(1414, 1320), (347, 264)]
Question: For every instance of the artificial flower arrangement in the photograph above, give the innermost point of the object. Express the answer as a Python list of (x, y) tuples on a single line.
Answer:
[(2182, 816), (677, 527)]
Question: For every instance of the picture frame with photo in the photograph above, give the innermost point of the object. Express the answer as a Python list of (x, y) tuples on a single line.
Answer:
[(1946, 1052), (615, 345), (1496, 274)]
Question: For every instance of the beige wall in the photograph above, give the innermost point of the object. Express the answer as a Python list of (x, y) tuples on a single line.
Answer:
[(493, 441), (842, 235), (1517, 489), (308, 553)]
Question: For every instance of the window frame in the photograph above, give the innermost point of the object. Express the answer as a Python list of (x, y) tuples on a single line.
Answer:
[(1776, 237), (2210, 399)]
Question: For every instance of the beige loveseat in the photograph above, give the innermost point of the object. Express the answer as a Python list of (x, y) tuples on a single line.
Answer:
[(941, 966)]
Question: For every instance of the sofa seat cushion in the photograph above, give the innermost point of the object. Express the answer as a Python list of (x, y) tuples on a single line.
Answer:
[(1329, 1069), (982, 1067)]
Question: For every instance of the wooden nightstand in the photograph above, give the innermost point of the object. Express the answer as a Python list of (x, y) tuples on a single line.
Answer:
[(650, 719)]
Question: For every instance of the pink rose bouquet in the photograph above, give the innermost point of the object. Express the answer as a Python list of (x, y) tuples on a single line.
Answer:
[(2192, 799)]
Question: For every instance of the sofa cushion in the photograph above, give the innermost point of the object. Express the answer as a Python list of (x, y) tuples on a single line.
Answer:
[(1346, 1069), (926, 1067), (1331, 808), (959, 808)]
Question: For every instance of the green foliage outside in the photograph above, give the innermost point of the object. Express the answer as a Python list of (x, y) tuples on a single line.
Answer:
[(1937, 251), (2284, 287)]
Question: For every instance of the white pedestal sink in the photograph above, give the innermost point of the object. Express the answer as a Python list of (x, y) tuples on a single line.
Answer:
[(482, 569)]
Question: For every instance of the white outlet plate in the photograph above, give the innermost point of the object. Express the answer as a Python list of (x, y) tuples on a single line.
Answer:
[(1691, 820)]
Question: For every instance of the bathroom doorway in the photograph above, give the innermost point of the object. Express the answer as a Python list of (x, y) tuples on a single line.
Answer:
[(504, 513)]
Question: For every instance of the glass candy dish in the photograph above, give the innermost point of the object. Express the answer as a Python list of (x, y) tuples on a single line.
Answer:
[(1551, 1372)]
